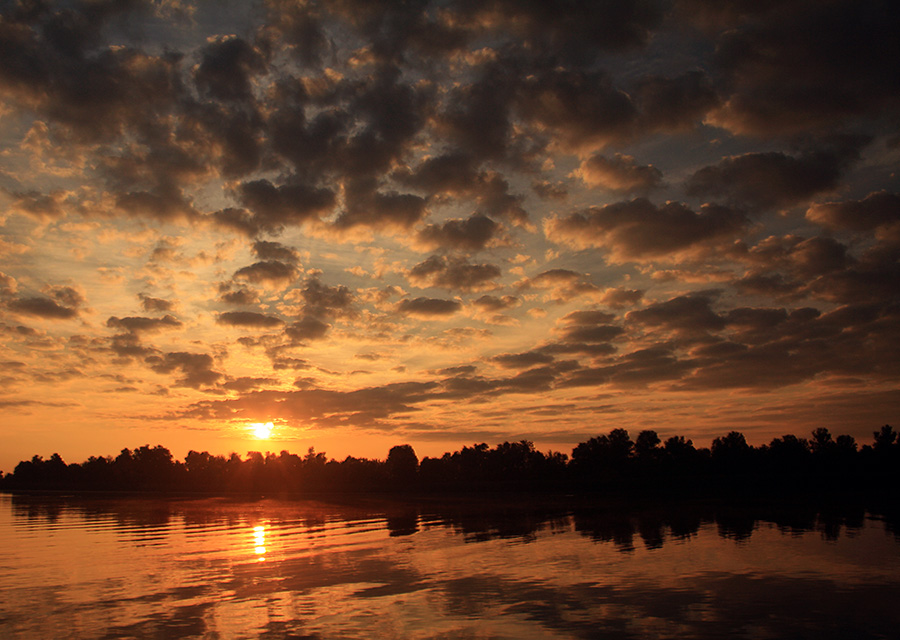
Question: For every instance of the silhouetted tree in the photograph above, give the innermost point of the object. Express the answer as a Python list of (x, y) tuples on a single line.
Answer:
[(402, 465)]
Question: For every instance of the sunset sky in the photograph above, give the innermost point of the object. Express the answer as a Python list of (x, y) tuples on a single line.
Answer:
[(448, 222)]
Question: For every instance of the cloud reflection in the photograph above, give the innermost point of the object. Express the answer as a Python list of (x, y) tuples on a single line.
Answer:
[(384, 569)]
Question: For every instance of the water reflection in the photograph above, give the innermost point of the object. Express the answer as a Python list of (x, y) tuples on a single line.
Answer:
[(259, 542), (216, 568)]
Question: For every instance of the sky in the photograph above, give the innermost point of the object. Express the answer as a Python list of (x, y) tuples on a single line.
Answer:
[(445, 222)]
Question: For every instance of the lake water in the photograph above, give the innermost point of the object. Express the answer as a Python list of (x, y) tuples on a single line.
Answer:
[(220, 568)]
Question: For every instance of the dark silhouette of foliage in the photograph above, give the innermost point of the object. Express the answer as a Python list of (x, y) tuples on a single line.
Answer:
[(605, 463)]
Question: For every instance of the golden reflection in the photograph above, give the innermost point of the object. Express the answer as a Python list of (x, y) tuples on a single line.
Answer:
[(259, 540)]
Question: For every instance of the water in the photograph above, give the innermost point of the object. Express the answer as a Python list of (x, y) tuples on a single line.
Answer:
[(218, 568)]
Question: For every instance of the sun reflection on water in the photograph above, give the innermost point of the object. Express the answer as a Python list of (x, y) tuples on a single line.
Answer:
[(259, 541)]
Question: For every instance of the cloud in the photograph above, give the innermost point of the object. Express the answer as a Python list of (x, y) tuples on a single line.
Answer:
[(138, 325), (583, 109), (246, 384), (62, 302), (454, 274), (469, 234), (42, 308), (619, 174), (457, 175), (561, 285), (248, 319), (638, 230), (266, 250), (196, 369), (618, 298), (522, 360), (491, 303), (227, 67), (274, 207), (427, 308), (878, 209), (42, 206), (241, 296), (687, 315), (326, 301), (572, 35), (369, 208), (8, 285), (803, 66), (589, 327), (773, 179), (149, 303), (327, 408), (268, 271), (675, 104), (305, 329)]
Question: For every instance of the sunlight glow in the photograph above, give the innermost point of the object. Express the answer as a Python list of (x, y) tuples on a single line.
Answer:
[(259, 538), (261, 430)]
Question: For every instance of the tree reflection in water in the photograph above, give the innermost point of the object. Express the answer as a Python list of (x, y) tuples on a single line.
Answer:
[(133, 567)]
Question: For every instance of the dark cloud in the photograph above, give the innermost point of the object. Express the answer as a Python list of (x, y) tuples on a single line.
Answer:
[(589, 327), (139, 325), (42, 308), (636, 369), (795, 66), (128, 347), (619, 174), (577, 31), (773, 179), (299, 28), (562, 285), (305, 329), (62, 302), (149, 303), (674, 104), (227, 67), (246, 384), (639, 230), (269, 271), (370, 208), (248, 319), (275, 251), (875, 210), (241, 296), (617, 298), (274, 207), (454, 274), (457, 175), (55, 62), (361, 407), (477, 120), (43, 206), (494, 303), (547, 190), (196, 369), (583, 109), (325, 301), (428, 307), (469, 234), (522, 360), (684, 314)]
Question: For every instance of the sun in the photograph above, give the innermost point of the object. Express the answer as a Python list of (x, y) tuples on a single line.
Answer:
[(262, 431)]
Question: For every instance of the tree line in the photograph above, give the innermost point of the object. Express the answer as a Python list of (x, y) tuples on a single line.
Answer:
[(608, 462)]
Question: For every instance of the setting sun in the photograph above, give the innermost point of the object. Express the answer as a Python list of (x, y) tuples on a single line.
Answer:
[(262, 430)]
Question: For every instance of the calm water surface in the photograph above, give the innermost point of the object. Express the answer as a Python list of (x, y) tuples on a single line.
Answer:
[(218, 568)]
